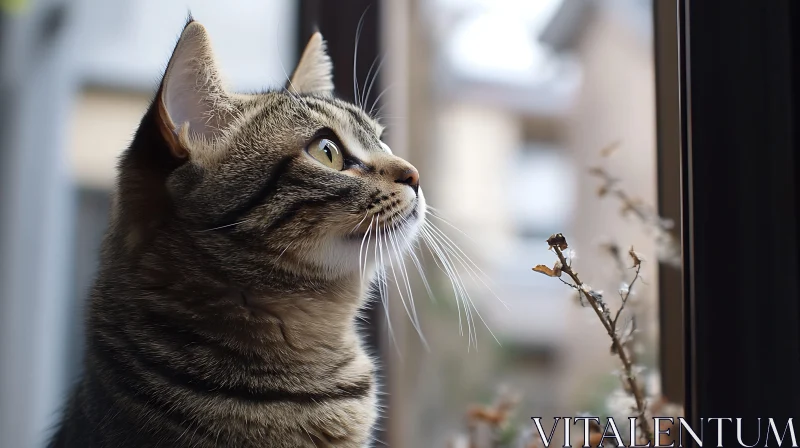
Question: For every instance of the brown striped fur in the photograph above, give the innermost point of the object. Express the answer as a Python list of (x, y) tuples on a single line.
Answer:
[(223, 313)]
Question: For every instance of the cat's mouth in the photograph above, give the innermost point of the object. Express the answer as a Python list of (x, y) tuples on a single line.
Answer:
[(384, 225)]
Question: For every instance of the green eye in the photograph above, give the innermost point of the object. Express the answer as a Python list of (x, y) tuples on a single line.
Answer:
[(327, 153)]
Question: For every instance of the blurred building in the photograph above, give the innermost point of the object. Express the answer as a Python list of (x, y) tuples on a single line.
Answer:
[(518, 100)]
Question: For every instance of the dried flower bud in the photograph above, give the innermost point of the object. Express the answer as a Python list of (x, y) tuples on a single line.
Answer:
[(558, 241), (637, 259)]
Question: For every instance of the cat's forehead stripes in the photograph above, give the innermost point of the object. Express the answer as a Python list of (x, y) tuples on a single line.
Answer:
[(355, 113)]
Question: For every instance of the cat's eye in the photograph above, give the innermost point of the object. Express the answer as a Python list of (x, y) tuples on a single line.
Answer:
[(327, 153)]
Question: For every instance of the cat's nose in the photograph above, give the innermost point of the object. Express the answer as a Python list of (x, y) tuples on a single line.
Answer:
[(410, 177)]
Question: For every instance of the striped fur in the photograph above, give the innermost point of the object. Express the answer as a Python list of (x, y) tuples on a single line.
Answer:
[(231, 274)]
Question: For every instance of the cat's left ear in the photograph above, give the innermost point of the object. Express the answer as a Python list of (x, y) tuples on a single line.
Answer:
[(314, 72), (194, 106)]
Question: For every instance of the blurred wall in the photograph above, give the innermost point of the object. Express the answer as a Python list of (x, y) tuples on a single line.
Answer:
[(102, 124), (473, 143), (38, 77)]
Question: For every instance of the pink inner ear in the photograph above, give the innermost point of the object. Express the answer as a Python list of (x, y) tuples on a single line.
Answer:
[(193, 91), (170, 133), (186, 107)]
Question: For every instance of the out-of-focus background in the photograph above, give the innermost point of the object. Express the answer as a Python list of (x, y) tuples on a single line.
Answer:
[(503, 105)]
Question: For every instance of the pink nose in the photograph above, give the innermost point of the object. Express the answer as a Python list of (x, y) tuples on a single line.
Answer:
[(410, 177)]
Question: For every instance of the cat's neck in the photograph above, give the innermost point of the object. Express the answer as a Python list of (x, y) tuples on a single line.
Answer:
[(241, 351), (307, 320)]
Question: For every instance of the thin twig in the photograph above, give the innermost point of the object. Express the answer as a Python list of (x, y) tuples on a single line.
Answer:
[(629, 204), (627, 294), (558, 243), (664, 238)]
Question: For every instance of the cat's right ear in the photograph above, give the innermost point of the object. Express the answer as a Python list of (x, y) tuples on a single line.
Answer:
[(194, 107), (314, 72)]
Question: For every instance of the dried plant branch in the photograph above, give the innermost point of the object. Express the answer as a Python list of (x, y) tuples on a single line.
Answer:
[(630, 204), (558, 244), (616, 253), (668, 246), (627, 294), (620, 328)]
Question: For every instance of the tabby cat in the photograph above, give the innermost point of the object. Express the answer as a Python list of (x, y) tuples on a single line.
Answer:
[(234, 266)]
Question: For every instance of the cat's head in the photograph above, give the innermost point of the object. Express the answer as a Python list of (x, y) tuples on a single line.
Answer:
[(292, 178)]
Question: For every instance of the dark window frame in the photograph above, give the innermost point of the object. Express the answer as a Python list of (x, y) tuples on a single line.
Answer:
[(739, 168), (668, 162)]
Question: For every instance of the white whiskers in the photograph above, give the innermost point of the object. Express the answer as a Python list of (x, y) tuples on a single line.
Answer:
[(390, 240), (383, 284), (449, 255), (227, 225), (359, 28), (362, 266), (409, 307)]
